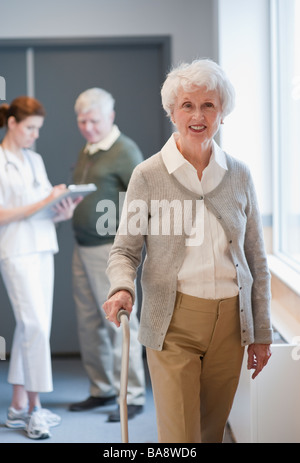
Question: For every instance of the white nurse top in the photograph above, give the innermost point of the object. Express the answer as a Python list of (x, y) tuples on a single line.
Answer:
[(17, 189)]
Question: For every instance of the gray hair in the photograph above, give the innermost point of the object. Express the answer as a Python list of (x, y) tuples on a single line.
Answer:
[(94, 98), (203, 72)]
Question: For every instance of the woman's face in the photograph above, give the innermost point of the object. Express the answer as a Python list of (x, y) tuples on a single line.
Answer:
[(197, 115), (25, 132)]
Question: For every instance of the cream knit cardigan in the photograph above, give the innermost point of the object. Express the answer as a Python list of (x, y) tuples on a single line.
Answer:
[(234, 204)]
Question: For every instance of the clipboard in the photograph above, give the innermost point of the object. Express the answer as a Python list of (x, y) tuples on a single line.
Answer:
[(72, 191)]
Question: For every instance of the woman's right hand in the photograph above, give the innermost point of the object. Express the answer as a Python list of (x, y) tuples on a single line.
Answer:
[(56, 191), (120, 300)]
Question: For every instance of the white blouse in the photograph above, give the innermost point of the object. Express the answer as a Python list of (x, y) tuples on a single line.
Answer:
[(17, 189), (207, 270)]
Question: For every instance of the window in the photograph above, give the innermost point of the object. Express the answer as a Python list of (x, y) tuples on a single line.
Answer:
[(286, 128)]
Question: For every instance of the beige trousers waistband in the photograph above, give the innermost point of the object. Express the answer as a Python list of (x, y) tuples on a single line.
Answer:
[(194, 303)]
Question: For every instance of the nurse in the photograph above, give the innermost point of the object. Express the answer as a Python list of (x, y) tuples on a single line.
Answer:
[(27, 247)]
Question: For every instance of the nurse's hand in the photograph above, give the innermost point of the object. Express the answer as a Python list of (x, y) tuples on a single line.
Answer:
[(56, 191), (65, 208)]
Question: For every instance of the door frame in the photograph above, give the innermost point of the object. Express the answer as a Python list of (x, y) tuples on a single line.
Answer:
[(161, 41)]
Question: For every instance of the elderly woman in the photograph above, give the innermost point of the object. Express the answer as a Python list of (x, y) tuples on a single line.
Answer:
[(206, 289)]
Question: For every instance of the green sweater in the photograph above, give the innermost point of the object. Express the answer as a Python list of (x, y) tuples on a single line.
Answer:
[(110, 171)]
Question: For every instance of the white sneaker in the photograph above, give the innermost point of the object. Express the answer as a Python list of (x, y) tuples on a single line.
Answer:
[(17, 419), (37, 426), (51, 418)]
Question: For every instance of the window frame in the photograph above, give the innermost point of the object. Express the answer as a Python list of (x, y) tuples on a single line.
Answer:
[(277, 137)]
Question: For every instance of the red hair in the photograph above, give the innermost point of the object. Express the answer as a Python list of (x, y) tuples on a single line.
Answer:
[(21, 108)]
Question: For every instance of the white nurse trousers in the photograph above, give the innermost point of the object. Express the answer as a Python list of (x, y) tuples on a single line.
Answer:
[(29, 283)]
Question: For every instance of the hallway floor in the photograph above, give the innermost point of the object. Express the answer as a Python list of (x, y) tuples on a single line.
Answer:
[(71, 385)]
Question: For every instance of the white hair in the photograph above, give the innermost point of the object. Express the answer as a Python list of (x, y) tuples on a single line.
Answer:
[(94, 98), (203, 72)]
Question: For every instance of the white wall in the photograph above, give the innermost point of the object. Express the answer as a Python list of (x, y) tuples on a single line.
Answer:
[(191, 23), (244, 52), (235, 32)]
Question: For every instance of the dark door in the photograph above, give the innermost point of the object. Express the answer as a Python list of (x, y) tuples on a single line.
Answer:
[(133, 71)]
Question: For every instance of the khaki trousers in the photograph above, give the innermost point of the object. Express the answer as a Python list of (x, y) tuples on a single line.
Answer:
[(194, 378), (100, 340)]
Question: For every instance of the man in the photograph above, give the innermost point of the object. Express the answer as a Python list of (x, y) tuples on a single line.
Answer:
[(107, 160)]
